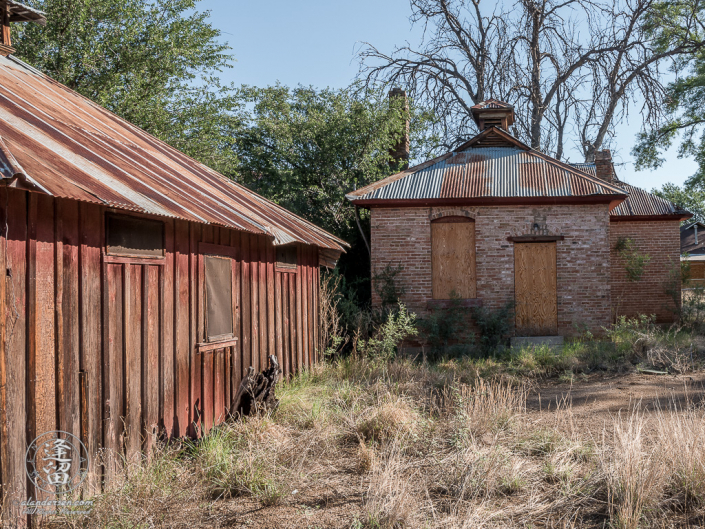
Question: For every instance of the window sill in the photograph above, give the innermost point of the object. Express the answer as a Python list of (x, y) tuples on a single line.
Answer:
[(211, 346), (448, 303), (291, 269), (133, 259)]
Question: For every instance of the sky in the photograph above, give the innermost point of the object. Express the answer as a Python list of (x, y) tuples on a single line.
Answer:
[(314, 42)]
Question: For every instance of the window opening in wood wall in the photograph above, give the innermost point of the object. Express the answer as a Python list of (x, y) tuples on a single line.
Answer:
[(219, 298), (133, 236)]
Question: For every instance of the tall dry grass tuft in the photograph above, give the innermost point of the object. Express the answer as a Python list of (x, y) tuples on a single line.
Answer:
[(485, 408), (390, 501), (681, 448), (634, 474)]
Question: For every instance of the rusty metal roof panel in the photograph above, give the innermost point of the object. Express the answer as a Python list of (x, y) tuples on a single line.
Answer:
[(639, 202), (71, 147), (490, 172)]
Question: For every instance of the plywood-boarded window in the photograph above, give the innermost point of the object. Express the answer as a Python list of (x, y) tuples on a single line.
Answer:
[(219, 298), (697, 272), (287, 256), (134, 236), (453, 257)]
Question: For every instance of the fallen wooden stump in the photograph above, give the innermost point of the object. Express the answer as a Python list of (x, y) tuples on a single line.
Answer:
[(256, 392)]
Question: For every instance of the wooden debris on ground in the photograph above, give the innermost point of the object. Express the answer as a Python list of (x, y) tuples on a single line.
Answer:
[(256, 392)]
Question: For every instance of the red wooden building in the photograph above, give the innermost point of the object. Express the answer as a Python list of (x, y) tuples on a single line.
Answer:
[(140, 284)]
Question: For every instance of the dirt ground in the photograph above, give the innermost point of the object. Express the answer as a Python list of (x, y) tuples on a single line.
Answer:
[(337, 501)]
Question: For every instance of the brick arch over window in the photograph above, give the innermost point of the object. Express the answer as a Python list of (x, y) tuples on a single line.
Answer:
[(437, 213), (453, 257)]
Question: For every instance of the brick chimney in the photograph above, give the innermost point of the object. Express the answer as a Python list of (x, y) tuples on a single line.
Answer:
[(400, 152), (603, 166), (11, 11)]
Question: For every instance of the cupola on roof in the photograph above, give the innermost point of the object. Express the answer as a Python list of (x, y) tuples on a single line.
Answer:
[(493, 113)]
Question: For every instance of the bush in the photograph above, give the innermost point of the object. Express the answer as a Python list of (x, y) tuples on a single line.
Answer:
[(446, 325), (384, 343), (494, 325), (388, 287)]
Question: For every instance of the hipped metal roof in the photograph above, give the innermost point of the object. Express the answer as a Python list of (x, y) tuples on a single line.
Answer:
[(55, 141), (509, 170), (639, 203)]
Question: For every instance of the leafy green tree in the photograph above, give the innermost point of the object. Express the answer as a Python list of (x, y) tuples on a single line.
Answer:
[(685, 97), (691, 199), (154, 63), (306, 148)]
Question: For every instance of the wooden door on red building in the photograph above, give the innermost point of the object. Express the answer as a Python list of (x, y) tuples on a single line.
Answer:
[(535, 289)]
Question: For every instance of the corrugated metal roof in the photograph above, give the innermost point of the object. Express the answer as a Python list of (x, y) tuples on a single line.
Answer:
[(639, 202), (70, 147), (478, 172)]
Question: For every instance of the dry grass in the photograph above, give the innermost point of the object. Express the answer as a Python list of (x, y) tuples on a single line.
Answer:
[(431, 446)]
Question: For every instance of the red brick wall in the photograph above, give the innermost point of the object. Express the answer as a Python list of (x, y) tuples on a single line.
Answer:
[(661, 241), (403, 236)]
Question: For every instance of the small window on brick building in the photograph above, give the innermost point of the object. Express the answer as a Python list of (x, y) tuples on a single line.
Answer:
[(287, 256), (219, 298), (453, 257), (134, 236)]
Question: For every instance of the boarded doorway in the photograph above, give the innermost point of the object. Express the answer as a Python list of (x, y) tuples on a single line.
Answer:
[(535, 289)]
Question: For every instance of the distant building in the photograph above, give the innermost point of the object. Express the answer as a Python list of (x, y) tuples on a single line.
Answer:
[(693, 251), (497, 222)]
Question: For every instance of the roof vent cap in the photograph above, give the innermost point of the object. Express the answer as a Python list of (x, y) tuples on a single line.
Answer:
[(493, 113)]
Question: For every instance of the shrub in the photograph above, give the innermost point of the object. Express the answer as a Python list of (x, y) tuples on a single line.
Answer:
[(388, 287), (634, 261), (383, 345), (445, 325), (494, 325)]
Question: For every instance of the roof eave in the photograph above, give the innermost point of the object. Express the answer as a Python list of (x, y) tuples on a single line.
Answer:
[(494, 201), (679, 217)]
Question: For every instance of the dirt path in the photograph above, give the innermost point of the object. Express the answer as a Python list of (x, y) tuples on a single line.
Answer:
[(598, 400)]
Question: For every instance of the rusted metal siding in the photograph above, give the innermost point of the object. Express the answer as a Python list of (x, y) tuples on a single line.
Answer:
[(105, 347), (69, 147), (490, 172)]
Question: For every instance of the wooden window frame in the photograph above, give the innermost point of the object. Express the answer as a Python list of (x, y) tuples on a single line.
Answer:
[(110, 256), (223, 252), (454, 219)]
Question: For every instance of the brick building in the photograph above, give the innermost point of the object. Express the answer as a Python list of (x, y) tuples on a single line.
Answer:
[(495, 222)]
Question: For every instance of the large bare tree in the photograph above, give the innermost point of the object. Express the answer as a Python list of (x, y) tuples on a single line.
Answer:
[(572, 68)]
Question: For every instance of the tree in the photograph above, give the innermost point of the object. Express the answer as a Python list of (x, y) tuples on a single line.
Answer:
[(566, 65), (305, 148), (693, 200), (155, 64)]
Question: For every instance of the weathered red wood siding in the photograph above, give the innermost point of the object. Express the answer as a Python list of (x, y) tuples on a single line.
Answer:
[(105, 348)]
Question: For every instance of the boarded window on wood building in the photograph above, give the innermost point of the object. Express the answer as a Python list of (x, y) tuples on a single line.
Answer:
[(697, 272), (453, 257), (219, 298), (286, 256), (134, 237)]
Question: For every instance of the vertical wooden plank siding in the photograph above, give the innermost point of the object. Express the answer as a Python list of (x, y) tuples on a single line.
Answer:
[(13, 467), (105, 347), (91, 358), (181, 328), (167, 351)]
